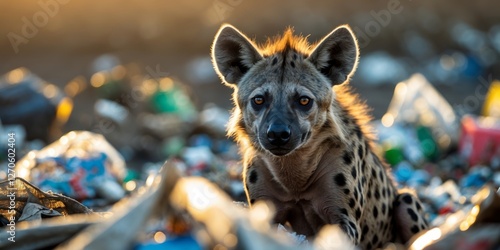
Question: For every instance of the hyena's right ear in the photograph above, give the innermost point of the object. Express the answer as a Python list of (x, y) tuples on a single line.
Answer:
[(233, 54), (336, 55)]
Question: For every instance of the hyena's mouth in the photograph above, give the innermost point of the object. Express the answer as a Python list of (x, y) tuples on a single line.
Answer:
[(278, 151), (288, 148)]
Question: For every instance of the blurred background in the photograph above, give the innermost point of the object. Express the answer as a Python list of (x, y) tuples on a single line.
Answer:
[(450, 42), (139, 74)]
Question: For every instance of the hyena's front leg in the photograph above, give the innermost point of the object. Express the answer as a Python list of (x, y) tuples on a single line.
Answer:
[(408, 216), (259, 184), (254, 181), (250, 184), (342, 216)]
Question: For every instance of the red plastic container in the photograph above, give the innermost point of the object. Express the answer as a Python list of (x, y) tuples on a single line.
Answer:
[(479, 139)]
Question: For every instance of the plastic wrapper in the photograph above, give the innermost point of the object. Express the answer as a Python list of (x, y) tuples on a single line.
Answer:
[(29, 198), (417, 103), (81, 164), (25, 98)]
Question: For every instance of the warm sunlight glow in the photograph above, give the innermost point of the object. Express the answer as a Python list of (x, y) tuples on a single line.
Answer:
[(426, 239), (130, 186), (387, 120), (50, 91), (118, 72), (166, 84), (149, 86), (400, 89), (64, 140), (64, 110), (475, 210), (160, 237), (230, 240), (75, 87), (97, 80), (16, 76)]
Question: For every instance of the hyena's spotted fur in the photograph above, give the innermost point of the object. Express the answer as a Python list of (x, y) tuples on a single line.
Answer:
[(307, 148)]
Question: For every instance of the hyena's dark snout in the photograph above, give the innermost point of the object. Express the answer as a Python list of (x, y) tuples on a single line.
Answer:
[(278, 134)]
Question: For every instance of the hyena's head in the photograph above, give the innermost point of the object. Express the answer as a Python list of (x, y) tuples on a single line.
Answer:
[(283, 90)]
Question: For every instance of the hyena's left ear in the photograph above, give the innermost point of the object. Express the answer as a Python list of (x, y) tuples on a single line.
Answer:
[(336, 55), (233, 54)]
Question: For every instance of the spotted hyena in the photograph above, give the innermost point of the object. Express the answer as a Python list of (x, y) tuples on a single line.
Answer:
[(305, 140)]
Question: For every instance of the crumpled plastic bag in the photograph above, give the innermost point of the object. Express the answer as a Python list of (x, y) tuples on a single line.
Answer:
[(30, 203), (21, 218)]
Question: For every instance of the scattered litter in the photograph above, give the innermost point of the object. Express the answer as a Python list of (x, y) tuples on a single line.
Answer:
[(81, 165), (416, 102)]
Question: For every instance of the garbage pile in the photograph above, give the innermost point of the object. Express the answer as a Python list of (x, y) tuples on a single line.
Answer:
[(444, 158), (114, 172), (81, 165)]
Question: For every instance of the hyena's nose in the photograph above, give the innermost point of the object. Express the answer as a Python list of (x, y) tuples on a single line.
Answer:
[(278, 134)]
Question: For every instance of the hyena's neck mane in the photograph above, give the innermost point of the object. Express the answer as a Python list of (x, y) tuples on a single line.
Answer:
[(350, 116)]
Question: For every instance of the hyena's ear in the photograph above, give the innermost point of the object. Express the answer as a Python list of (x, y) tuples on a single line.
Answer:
[(233, 54), (336, 55)]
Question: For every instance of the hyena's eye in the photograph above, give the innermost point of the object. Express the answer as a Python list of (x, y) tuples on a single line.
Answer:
[(258, 100), (304, 103), (304, 100)]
